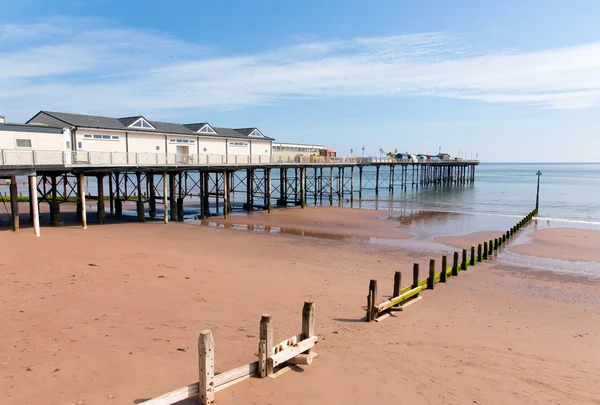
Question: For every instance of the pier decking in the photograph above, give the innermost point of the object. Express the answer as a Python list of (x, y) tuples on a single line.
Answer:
[(147, 178)]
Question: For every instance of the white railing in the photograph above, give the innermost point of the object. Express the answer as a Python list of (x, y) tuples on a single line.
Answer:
[(99, 159)]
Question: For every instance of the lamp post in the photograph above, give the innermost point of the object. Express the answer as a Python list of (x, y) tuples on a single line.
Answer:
[(537, 196), (351, 150), (363, 151)]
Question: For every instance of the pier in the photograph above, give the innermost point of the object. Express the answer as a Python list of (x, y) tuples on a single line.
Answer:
[(157, 181)]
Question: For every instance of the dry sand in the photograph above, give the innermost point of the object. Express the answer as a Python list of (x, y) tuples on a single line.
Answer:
[(111, 315)]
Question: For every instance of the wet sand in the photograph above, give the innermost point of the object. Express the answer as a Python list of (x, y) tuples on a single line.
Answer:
[(563, 243), (111, 315)]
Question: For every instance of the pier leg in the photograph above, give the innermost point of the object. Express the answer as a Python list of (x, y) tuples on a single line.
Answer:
[(172, 198), (376, 180), (360, 176), (226, 207), (205, 199), (55, 206), (35, 216), (302, 187), (165, 199), (331, 186), (342, 182), (152, 195), (180, 197), (81, 186), (268, 189), (321, 185), (118, 202), (141, 216), (249, 190), (100, 211), (111, 202), (351, 185), (14, 203)]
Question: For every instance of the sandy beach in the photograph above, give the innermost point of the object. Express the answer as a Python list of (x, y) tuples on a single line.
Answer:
[(112, 316)]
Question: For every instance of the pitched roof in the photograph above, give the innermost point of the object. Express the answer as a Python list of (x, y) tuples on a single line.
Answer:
[(30, 128), (122, 124)]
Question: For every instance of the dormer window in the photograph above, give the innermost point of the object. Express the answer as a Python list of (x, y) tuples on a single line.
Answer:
[(256, 133), (142, 123), (207, 130)]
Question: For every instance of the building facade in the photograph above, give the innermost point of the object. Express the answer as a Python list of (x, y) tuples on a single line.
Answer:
[(139, 136), (294, 150)]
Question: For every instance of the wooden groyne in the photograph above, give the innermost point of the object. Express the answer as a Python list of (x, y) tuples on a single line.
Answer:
[(461, 261), (273, 360)]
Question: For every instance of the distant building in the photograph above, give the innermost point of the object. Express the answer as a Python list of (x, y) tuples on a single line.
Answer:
[(293, 150)]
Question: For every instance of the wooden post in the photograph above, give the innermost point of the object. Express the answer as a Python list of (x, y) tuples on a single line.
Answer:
[(372, 311), (490, 247), (118, 202), (308, 321), (34, 207), (464, 260), (496, 244), (100, 212), (139, 203), (455, 264), (181, 195), (431, 278), (397, 284), (165, 199), (472, 255), (151, 195), (479, 258), (81, 187), (266, 335), (206, 367), (14, 203), (415, 283), (485, 250), (172, 198), (443, 274), (226, 207), (111, 202), (503, 238)]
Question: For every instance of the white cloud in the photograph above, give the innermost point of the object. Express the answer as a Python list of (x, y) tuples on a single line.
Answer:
[(67, 64)]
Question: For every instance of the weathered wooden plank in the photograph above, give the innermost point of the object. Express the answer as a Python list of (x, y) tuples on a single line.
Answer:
[(293, 351), (301, 360), (234, 376), (206, 367), (409, 303), (262, 358), (397, 300), (286, 343), (175, 396)]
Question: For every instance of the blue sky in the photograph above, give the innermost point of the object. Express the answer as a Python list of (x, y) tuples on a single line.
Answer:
[(509, 81)]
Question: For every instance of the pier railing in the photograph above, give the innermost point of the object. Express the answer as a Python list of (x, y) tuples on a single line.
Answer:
[(37, 158)]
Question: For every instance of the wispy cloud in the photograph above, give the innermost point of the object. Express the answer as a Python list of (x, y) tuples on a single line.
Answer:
[(67, 64)]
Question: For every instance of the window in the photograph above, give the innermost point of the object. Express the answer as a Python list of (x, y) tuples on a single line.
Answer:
[(206, 130), (23, 143), (102, 137), (256, 133), (238, 143), (174, 140), (142, 123), (158, 148)]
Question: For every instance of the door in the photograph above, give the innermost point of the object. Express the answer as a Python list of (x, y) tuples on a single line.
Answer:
[(183, 154)]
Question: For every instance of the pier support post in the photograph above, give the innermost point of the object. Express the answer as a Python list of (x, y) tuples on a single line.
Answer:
[(55, 205), (268, 190), (351, 185), (35, 216), (165, 199), (172, 197), (100, 212), (226, 207), (331, 186), (360, 176), (118, 202), (302, 187), (14, 203), (249, 190), (81, 187), (152, 195), (377, 180), (180, 197), (205, 196), (141, 217), (111, 202)]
